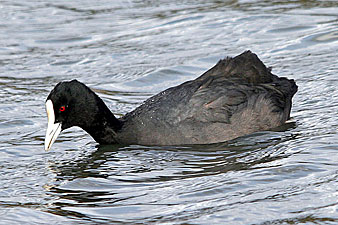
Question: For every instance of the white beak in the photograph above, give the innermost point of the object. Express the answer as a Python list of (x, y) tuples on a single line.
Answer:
[(53, 129)]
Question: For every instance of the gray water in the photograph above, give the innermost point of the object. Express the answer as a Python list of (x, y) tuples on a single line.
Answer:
[(129, 50)]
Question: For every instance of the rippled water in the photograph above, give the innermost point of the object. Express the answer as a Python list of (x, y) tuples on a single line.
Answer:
[(130, 50)]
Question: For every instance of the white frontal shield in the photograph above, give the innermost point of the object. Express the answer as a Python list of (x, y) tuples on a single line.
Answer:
[(53, 129)]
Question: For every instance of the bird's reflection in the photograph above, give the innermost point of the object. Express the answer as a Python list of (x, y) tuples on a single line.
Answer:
[(189, 161), (113, 173)]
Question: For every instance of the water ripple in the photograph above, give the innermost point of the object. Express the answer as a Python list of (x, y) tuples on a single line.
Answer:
[(129, 50)]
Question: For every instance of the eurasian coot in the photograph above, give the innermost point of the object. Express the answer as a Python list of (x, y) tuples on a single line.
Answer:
[(236, 97)]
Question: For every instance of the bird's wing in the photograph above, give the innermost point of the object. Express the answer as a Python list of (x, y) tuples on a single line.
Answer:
[(236, 105)]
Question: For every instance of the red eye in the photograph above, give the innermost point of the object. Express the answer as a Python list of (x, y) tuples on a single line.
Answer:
[(62, 108)]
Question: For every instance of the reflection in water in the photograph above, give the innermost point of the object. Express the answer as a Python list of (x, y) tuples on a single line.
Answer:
[(195, 160), (113, 176)]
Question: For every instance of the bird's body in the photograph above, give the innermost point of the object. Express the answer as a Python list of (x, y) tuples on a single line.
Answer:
[(238, 96)]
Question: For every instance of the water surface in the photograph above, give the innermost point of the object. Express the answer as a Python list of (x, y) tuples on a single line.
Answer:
[(129, 50)]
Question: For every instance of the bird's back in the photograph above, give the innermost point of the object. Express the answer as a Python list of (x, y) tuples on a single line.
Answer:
[(236, 97)]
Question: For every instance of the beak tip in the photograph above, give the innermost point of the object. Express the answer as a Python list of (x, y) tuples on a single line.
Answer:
[(47, 148), (52, 133)]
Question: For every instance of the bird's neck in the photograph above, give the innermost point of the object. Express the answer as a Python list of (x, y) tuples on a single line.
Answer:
[(105, 126)]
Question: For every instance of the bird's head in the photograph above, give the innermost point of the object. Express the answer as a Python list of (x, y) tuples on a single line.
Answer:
[(69, 104)]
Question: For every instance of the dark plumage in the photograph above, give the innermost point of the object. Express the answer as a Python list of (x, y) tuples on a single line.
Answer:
[(236, 97)]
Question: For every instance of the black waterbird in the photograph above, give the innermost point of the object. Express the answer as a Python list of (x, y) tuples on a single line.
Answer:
[(237, 96)]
